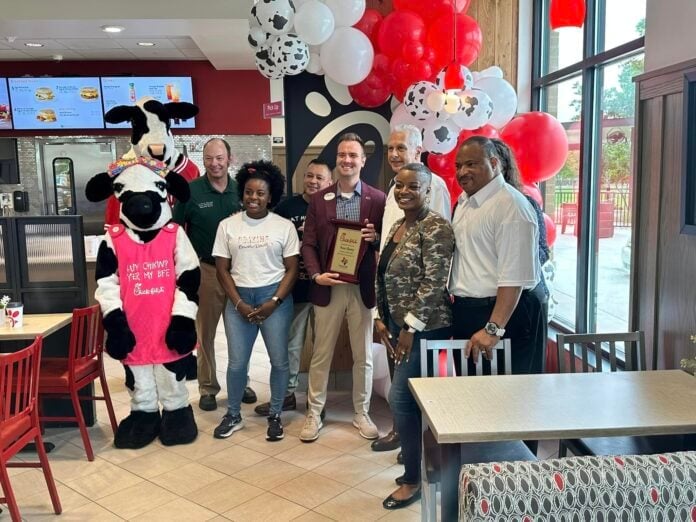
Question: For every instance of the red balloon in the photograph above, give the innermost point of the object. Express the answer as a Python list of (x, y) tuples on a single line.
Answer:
[(431, 9), (381, 63), (369, 24), (440, 37), (371, 92), (533, 192), (540, 145), (487, 130), (413, 51), (550, 230), (441, 164), (398, 28)]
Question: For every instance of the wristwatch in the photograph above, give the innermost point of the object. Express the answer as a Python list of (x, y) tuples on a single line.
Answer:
[(277, 300), (493, 329), (409, 328)]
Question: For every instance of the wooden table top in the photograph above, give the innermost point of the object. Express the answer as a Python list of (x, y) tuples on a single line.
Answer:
[(33, 325), (557, 406)]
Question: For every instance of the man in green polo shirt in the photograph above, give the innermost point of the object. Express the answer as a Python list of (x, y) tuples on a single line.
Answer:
[(214, 197)]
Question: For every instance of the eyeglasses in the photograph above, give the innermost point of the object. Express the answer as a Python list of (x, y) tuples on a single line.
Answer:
[(350, 155)]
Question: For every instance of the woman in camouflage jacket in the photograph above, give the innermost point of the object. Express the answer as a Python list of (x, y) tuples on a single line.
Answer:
[(412, 304)]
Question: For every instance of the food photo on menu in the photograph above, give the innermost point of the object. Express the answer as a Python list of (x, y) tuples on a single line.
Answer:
[(59, 103), (5, 114)]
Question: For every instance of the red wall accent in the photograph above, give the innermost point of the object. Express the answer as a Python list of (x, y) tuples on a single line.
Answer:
[(230, 102)]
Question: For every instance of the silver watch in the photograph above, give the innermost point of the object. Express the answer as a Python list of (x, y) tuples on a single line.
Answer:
[(493, 329)]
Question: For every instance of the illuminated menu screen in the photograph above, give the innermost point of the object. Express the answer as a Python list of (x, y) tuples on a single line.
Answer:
[(123, 90), (5, 115), (56, 103)]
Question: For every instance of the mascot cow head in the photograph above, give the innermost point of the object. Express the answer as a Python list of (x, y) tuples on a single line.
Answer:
[(151, 123), (141, 186)]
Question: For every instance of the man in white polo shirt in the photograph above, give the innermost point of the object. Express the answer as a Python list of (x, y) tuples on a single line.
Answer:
[(496, 263)]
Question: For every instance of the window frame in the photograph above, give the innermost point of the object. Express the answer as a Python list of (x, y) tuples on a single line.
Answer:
[(590, 70)]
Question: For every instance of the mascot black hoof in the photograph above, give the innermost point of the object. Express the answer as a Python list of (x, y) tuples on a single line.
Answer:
[(138, 430), (178, 427), (192, 368)]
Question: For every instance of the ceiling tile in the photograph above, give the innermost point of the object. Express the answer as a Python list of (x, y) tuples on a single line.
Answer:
[(48, 44), (153, 53), (106, 54), (184, 43), (43, 54), (194, 54), (12, 54), (91, 43)]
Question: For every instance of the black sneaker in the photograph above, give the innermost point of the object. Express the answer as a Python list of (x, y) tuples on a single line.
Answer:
[(289, 403), (275, 428), (249, 396), (228, 426)]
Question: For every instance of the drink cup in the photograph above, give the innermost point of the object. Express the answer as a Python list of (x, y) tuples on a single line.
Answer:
[(15, 314)]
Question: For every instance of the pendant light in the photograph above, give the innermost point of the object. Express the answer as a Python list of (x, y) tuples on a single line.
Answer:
[(567, 13)]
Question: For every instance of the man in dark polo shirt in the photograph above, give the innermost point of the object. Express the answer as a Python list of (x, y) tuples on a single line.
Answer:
[(214, 197)]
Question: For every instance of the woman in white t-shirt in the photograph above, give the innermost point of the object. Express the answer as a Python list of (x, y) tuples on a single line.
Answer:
[(256, 256)]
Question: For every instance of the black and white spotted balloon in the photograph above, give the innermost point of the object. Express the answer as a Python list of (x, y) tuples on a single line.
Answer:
[(416, 97), (440, 136), (475, 111), (290, 53), (267, 66), (274, 16)]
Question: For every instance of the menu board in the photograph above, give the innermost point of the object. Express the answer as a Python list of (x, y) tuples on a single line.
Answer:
[(56, 103), (126, 90), (5, 115)]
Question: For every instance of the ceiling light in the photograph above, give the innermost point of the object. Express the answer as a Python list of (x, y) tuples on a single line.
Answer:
[(112, 28), (146, 44), (33, 44)]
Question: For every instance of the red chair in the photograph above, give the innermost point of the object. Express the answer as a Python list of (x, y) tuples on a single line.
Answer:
[(19, 421), (84, 364)]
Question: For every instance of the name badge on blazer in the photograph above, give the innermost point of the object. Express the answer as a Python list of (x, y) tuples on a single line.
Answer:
[(329, 196)]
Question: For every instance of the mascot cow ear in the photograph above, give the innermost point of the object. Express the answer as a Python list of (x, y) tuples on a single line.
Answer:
[(177, 186), (121, 113), (99, 187), (181, 110)]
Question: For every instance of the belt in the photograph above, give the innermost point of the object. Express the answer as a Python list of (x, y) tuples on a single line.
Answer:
[(474, 301), (209, 260)]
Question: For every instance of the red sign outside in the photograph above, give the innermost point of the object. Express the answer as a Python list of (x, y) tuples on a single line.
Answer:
[(273, 110)]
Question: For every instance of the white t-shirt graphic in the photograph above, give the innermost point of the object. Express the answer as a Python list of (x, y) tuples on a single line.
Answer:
[(256, 248)]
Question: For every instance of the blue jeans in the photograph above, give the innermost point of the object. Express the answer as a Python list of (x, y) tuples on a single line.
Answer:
[(296, 340), (241, 335), (407, 415)]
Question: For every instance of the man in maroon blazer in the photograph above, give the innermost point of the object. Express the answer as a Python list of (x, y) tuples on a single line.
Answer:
[(352, 200)]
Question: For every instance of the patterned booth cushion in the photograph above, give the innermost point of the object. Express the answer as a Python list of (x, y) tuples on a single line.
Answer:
[(626, 488)]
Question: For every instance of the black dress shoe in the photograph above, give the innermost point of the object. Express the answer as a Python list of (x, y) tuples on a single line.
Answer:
[(400, 458), (387, 443), (207, 403), (289, 403), (249, 396), (399, 480), (391, 503)]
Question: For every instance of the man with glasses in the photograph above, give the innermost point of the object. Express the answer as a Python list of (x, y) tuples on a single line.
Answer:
[(352, 200)]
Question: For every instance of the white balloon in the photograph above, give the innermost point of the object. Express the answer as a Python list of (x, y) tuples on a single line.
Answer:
[(466, 73), (267, 66), (290, 52), (435, 101), (314, 22), (274, 16), (440, 136), (452, 103), (346, 12), (415, 99), (503, 97), (338, 91), (257, 37), (347, 56), (475, 111), (314, 65), (401, 116), (491, 72)]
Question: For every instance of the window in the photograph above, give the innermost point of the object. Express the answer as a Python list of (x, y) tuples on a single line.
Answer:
[(584, 77)]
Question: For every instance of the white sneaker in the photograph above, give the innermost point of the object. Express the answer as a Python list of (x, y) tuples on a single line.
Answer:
[(364, 423), (310, 430)]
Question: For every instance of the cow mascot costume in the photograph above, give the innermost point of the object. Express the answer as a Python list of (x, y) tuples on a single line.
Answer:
[(147, 285), (151, 137)]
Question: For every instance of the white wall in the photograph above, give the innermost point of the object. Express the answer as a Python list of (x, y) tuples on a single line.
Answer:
[(669, 32)]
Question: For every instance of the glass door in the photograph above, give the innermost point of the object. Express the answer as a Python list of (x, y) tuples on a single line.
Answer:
[(64, 186)]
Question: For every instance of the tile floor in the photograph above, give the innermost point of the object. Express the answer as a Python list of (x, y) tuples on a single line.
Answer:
[(242, 478)]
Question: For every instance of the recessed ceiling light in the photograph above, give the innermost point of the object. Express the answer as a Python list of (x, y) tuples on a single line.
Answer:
[(33, 44), (112, 28), (146, 44)]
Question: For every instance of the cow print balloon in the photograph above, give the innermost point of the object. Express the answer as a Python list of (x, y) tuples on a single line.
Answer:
[(257, 37), (416, 97), (290, 53), (274, 16), (475, 111), (267, 66), (440, 136)]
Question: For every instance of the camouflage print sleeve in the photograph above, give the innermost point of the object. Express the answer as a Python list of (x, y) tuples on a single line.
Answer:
[(437, 247)]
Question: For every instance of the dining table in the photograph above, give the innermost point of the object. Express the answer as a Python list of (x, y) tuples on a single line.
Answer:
[(460, 410), (33, 325)]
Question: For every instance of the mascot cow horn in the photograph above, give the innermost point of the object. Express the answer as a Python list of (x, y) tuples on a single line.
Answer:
[(147, 286)]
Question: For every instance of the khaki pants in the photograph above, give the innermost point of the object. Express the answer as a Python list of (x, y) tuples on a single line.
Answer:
[(211, 303), (345, 301)]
